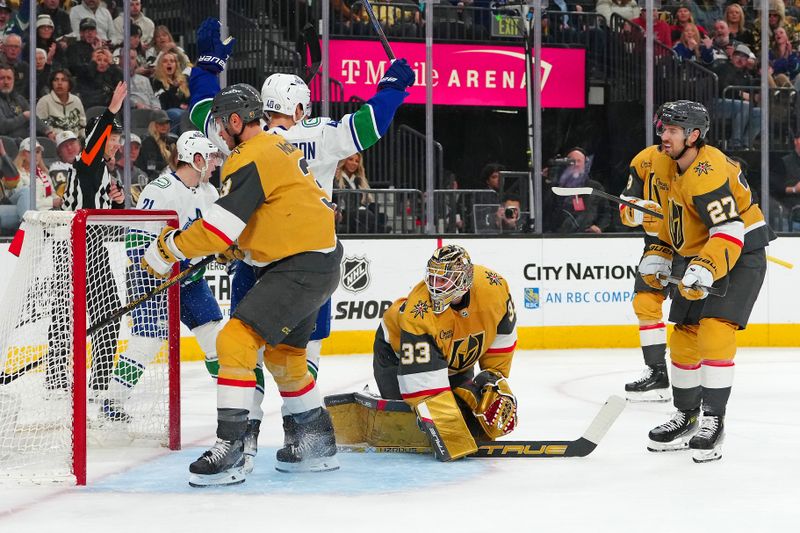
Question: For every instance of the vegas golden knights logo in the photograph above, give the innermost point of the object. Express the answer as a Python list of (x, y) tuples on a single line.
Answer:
[(466, 351), (676, 224)]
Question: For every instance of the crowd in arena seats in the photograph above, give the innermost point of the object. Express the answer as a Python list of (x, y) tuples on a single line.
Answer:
[(78, 63)]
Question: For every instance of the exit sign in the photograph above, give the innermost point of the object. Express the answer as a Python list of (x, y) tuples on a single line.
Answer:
[(508, 26)]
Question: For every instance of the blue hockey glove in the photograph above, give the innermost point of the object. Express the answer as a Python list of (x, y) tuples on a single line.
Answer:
[(399, 76), (212, 53)]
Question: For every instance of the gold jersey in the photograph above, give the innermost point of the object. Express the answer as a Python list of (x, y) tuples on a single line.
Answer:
[(646, 181), (270, 202), (430, 347), (709, 212)]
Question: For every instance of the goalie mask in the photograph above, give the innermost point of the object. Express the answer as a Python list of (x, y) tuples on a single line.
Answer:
[(282, 93), (448, 276), (194, 142)]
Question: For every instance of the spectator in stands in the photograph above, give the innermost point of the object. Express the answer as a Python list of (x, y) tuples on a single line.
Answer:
[(79, 53), (155, 153), (349, 19), (9, 216), (740, 29), (46, 197), (791, 183), (661, 29), (146, 56), (582, 214), (92, 9), (705, 12), (784, 59), (67, 147), (14, 109), (777, 18), (46, 41), (60, 18), (163, 42), (171, 86), (359, 212), (139, 177), (60, 108), (401, 21), (141, 88), (42, 73), (627, 9), (737, 105), (508, 217), (688, 47), (5, 15), (12, 56), (490, 176), (722, 45), (96, 86), (683, 17), (137, 17)]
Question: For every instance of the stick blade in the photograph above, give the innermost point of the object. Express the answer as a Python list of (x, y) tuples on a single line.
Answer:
[(604, 419), (572, 191)]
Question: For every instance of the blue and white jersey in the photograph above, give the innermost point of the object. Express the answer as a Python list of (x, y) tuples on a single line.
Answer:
[(169, 192)]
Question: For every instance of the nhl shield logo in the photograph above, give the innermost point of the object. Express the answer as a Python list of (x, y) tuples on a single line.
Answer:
[(355, 274)]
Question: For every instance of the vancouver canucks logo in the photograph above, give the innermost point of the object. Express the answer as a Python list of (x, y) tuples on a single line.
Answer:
[(703, 167), (493, 277), (419, 309), (466, 351)]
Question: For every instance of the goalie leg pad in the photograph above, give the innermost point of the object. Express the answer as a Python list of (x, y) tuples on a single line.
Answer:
[(365, 419), (441, 420)]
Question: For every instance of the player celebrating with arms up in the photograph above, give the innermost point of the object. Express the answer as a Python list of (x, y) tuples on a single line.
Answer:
[(428, 344), (712, 221)]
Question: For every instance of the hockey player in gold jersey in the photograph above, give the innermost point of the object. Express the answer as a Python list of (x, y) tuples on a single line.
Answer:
[(428, 344), (712, 221), (283, 223), (647, 188)]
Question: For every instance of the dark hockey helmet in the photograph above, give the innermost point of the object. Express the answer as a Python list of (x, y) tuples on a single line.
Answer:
[(684, 113), (448, 276), (241, 99)]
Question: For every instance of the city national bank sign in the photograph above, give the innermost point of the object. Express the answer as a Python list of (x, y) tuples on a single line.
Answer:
[(469, 75)]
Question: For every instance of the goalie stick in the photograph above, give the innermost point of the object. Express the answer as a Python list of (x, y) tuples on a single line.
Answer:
[(5, 379), (531, 449), (589, 191)]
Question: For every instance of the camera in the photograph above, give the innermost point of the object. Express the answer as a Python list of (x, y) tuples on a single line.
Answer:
[(510, 212), (561, 161)]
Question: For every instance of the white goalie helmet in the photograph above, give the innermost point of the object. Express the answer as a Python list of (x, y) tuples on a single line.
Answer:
[(194, 142), (281, 93)]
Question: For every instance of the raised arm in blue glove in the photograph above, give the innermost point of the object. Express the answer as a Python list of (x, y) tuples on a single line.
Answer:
[(213, 53), (399, 76)]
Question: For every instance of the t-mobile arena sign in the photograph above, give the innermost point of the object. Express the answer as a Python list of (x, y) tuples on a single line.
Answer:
[(469, 75)]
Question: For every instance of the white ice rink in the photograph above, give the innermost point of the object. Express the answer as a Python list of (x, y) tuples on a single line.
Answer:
[(620, 487)]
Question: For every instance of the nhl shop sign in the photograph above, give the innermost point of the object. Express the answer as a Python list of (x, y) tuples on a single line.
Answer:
[(355, 274)]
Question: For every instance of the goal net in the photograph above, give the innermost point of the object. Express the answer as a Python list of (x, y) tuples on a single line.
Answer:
[(61, 387)]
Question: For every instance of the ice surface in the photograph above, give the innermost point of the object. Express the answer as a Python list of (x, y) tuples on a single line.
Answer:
[(620, 487)]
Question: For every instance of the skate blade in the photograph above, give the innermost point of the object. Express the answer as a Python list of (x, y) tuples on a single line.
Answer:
[(229, 477), (679, 444), (249, 463), (651, 396), (707, 456), (317, 464)]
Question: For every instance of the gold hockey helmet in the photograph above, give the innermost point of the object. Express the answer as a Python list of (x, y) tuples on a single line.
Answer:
[(448, 276)]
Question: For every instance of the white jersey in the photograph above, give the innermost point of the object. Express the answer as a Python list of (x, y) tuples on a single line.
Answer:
[(324, 142), (168, 192)]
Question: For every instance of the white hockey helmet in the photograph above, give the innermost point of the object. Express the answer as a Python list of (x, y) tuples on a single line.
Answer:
[(281, 93), (194, 142)]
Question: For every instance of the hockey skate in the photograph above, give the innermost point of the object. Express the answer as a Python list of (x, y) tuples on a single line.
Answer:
[(652, 386), (675, 434), (706, 446), (251, 445), (289, 430), (113, 411), (220, 465), (314, 449)]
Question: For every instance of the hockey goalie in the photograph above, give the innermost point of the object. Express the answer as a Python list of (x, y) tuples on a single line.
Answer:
[(425, 351)]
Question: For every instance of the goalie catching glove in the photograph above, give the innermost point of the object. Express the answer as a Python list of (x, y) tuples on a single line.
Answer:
[(633, 217), (162, 253), (656, 265), (492, 402)]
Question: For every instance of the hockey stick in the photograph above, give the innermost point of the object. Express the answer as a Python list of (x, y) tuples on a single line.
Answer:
[(147, 296), (5, 379), (581, 191), (713, 291), (311, 39), (532, 449), (376, 25)]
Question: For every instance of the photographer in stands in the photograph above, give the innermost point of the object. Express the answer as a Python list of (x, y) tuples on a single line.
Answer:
[(579, 214)]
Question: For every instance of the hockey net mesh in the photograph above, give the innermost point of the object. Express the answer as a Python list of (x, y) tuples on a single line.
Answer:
[(37, 328)]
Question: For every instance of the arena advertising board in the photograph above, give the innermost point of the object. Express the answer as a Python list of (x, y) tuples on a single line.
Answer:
[(570, 283), (469, 75)]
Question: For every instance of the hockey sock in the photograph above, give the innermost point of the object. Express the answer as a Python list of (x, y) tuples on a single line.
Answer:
[(686, 386), (653, 339), (206, 336), (131, 365), (313, 351), (717, 380)]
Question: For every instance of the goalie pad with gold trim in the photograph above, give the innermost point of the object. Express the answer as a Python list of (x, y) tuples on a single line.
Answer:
[(442, 421), (489, 397)]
